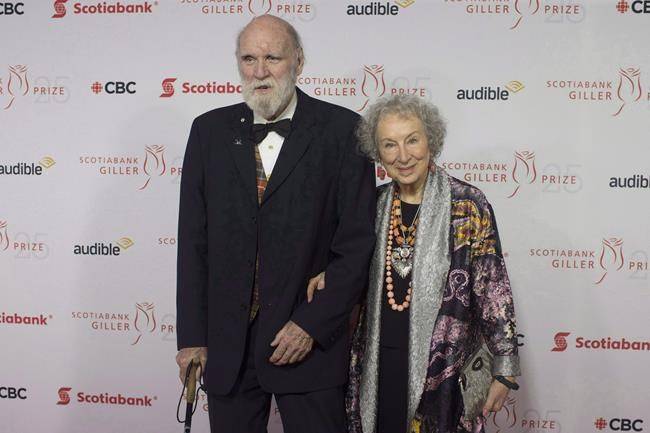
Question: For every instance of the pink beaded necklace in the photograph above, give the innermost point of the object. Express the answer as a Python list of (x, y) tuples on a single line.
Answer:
[(401, 257)]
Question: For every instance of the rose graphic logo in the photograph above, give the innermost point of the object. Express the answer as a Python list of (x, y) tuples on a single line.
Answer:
[(17, 83), (145, 319), (259, 7), (525, 7), (373, 84), (168, 88), (524, 168), (611, 256), (560, 341), (4, 238), (154, 163), (629, 87), (64, 396), (507, 417), (59, 8)]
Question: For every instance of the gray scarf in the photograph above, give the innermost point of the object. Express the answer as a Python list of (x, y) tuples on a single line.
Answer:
[(431, 263)]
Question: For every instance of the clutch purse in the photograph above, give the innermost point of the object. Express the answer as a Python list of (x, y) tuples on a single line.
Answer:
[(475, 380)]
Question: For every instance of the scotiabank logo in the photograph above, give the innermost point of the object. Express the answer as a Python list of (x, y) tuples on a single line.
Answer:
[(24, 319), (519, 174), (26, 168), (603, 343), (104, 399), (141, 323), (103, 8), (203, 88), (619, 424), (64, 396), (560, 342), (637, 6)]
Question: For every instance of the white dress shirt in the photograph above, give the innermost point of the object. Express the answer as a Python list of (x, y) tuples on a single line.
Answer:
[(271, 145)]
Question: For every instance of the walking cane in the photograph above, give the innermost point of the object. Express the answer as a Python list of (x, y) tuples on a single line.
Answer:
[(190, 396)]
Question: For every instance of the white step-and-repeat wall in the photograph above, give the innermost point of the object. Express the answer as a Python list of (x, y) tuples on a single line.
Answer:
[(548, 105)]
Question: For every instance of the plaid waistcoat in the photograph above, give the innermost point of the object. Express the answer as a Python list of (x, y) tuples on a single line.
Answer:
[(262, 181)]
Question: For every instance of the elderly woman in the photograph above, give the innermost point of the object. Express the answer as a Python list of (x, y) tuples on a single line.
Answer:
[(438, 289)]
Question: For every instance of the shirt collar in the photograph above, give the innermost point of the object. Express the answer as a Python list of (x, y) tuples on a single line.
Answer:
[(286, 114)]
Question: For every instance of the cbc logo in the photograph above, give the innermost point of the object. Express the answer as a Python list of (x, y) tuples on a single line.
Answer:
[(11, 8), (13, 393), (113, 87), (619, 424)]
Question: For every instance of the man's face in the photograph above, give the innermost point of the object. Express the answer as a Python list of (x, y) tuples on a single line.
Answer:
[(268, 66)]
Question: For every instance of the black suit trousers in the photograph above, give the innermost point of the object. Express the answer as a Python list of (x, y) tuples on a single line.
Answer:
[(246, 408)]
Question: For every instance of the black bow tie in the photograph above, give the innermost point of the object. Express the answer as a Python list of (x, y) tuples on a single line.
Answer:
[(261, 130)]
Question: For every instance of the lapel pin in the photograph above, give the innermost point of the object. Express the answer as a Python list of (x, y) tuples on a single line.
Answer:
[(237, 141), (242, 120)]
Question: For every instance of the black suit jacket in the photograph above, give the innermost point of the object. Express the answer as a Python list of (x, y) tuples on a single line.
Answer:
[(317, 214)]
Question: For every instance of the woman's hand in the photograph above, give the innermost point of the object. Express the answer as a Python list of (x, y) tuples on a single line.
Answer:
[(316, 283), (496, 396)]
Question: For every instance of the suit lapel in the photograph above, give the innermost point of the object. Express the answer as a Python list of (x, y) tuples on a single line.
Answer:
[(294, 146), (243, 152)]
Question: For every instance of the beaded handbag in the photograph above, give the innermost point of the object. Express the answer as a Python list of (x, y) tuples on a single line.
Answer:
[(475, 380)]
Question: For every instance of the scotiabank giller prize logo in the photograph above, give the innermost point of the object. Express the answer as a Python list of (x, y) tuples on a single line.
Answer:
[(16, 87), (138, 325), (148, 169), (87, 7), (602, 263), (26, 245), (600, 344), (518, 12), (519, 174), (619, 95), (283, 8), (512, 419), (104, 398), (363, 88)]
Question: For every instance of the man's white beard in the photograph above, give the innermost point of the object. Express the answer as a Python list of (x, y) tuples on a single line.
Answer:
[(268, 106)]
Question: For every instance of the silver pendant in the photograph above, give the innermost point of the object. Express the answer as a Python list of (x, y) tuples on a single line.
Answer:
[(402, 260)]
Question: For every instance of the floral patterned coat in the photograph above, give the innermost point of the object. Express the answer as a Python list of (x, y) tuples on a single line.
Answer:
[(461, 297)]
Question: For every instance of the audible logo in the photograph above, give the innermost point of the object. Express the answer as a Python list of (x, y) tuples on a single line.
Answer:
[(102, 249)]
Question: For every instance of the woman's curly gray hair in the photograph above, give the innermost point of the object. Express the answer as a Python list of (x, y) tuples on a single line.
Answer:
[(403, 105)]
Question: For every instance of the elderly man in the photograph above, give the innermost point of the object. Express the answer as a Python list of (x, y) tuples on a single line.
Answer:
[(273, 192)]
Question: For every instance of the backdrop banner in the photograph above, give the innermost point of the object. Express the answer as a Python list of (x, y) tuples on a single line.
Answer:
[(548, 107)]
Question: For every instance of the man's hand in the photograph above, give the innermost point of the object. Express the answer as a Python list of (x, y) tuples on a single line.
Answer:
[(316, 283), (184, 356), (496, 396), (291, 344)]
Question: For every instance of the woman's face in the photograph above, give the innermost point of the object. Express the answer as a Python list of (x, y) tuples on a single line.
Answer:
[(403, 149)]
